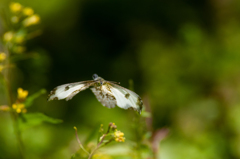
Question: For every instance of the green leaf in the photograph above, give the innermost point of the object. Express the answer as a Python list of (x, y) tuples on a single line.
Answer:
[(30, 99), (34, 119)]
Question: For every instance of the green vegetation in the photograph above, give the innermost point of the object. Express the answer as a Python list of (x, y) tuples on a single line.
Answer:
[(181, 57)]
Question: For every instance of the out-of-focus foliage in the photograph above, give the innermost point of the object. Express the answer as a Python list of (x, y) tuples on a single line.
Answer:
[(182, 56)]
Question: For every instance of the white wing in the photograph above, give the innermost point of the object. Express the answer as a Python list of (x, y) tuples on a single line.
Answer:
[(104, 96), (68, 91), (126, 98)]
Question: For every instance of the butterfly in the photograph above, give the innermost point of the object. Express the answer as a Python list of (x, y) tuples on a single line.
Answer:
[(108, 93)]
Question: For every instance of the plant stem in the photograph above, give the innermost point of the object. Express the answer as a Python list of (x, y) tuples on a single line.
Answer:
[(14, 115), (18, 134), (79, 142), (138, 133), (98, 145)]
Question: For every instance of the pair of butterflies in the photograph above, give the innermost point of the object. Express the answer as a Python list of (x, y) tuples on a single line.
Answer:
[(108, 93)]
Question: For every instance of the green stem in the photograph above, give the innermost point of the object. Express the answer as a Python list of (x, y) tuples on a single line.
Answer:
[(138, 134), (79, 142), (18, 134), (14, 115), (98, 146)]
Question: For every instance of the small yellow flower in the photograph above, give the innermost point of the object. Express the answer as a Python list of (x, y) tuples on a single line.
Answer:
[(15, 19), (15, 7), (14, 106), (1, 68), (32, 20), (8, 36), (20, 107), (4, 108), (18, 110), (2, 56), (28, 11), (22, 94), (118, 135)]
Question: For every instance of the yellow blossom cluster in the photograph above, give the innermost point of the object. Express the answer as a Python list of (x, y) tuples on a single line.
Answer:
[(19, 106), (118, 136), (22, 94), (31, 20), (23, 17), (28, 11), (26, 14), (15, 7)]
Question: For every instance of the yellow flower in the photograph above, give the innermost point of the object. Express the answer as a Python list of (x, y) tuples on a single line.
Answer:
[(22, 94), (8, 36), (4, 108), (20, 107), (2, 56), (1, 68), (15, 7), (28, 11), (32, 20), (118, 135)]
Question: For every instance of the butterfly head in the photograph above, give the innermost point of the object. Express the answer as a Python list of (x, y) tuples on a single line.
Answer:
[(98, 79), (95, 76)]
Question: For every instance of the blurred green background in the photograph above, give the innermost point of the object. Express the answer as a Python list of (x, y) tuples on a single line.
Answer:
[(183, 57)]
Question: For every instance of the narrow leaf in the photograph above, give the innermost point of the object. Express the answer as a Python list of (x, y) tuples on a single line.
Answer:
[(30, 99), (34, 119)]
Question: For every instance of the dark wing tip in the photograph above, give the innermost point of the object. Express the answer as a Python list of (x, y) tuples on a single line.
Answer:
[(140, 104), (48, 98), (139, 111)]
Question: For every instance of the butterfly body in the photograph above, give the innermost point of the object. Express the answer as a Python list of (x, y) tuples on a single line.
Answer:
[(108, 93)]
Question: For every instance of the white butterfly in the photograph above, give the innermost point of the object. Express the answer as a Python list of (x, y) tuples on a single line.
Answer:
[(107, 92)]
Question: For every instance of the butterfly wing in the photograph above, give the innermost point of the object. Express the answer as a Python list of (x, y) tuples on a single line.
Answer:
[(69, 90), (126, 98), (104, 96)]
